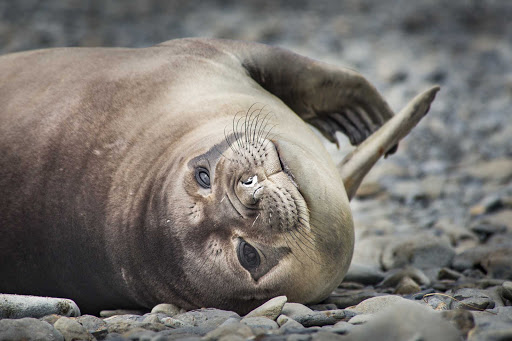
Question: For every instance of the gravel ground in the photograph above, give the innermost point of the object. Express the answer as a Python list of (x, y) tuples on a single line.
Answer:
[(436, 217)]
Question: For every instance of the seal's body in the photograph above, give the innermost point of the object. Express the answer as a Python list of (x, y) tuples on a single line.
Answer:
[(181, 173)]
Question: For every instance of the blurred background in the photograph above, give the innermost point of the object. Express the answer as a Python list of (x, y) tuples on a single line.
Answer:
[(454, 163)]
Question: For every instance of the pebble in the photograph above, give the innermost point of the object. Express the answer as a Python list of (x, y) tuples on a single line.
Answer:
[(507, 290), (407, 286), (421, 251), (471, 299), (321, 318), (270, 309), (18, 306), (260, 323), (287, 324), (403, 321), (462, 320), (347, 298), (342, 327), (28, 329), (111, 313), (395, 276), (72, 329), (360, 319), (364, 274), (376, 304), (498, 170), (167, 309), (230, 328), (94, 325)]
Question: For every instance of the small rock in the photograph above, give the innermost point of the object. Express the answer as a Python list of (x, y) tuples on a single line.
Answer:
[(447, 273), (407, 286), (28, 329), (342, 327), (471, 299), (498, 263), (111, 313), (369, 189), (364, 274), (507, 290), (347, 298), (72, 330), (260, 323), (18, 306), (405, 320), (206, 318), (94, 325), (125, 323), (51, 319), (295, 309), (421, 251), (322, 318), (231, 329), (270, 309), (360, 319), (498, 170), (395, 276), (167, 309), (326, 336), (376, 304), (485, 230), (174, 323), (288, 324), (461, 319), (322, 307)]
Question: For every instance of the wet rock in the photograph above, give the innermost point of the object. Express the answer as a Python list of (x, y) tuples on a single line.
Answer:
[(405, 320), (421, 251), (484, 230), (94, 325), (364, 274), (167, 309), (270, 309), (72, 330), (29, 329), (18, 306), (347, 298), (326, 335)]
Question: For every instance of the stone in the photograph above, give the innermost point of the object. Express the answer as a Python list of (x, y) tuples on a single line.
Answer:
[(498, 263), (326, 336), (295, 309), (507, 290), (342, 327), (270, 309), (260, 323), (111, 313), (322, 307), (208, 318), (167, 309), (376, 304), (404, 321), (94, 325), (126, 323), (498, 170), (447, 273), (347, 298), (51, 319), (18, 306), (360, 319), (407, 286), (28, 329), (174, 323), (395, 276), (364, 274), (232, 328), (471, 299), (322, 318), (422, 251), (72, 330), (461, 319)]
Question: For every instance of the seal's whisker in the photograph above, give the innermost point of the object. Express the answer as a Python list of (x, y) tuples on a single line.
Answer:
[(264, 125)]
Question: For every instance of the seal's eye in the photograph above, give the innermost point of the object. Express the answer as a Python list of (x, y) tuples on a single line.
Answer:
[(248, 256), (203, 177)]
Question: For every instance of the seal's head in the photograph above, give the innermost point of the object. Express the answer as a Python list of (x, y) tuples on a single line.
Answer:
[(261, 220)]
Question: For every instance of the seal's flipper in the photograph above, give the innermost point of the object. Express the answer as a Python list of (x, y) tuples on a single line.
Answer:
[(356, 165), (330, 98)]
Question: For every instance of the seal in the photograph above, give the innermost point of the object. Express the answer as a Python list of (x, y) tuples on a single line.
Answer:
[(185, 173)]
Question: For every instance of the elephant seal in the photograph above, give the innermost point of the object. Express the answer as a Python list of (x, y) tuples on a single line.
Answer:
[(183, 172)]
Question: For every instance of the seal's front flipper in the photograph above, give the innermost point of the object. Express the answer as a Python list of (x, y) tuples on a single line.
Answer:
[(330, 98), (357, 164)]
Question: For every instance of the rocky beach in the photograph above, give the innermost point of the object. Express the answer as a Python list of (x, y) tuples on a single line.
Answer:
[(433, 222)]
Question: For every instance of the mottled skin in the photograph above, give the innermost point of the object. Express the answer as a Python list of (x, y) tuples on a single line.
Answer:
[(99, 151)]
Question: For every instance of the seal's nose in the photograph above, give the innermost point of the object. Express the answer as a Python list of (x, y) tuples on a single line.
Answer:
[(250, 190)]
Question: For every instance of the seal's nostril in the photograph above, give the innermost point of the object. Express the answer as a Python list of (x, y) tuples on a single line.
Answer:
[(256, 195)]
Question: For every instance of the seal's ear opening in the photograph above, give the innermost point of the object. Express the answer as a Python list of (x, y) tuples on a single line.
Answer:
[(358, 163)]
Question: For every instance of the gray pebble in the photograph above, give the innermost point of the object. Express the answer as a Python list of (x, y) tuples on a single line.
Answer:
[(342, 327), (407, 286), (471, 299), (447, 273), (321, 307), (360, 319), (364, 274), (209, 318), (17, 306), (394, 277), (168, 309), (94, 325), (347, 298), (110, 313), (376, 304), (294, 309), (174, 323), (72, 330), (270, 309), (461, 319), (29, 329), (232, 329), (498, 263), (260, 323), (507, 290), (322, 318), (288, 325)]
